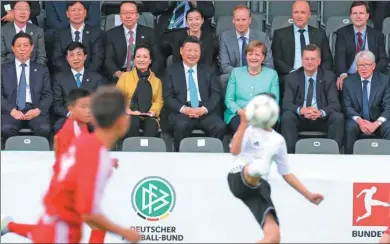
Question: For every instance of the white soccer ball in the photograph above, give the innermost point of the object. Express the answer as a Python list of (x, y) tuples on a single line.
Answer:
[(262, 112)]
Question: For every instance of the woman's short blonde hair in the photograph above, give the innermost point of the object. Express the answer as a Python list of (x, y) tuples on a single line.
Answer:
[(256, 44)]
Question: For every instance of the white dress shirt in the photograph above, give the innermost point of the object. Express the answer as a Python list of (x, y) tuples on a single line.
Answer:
[(18, 66), (73, 30), (240, 43), (17, 29), (298, 51), (127, 36)]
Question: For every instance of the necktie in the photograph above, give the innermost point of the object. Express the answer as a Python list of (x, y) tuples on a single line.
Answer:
[(130, 51), (78, 81), (243, 57), (21, 101), (366, 111), (21, 31), (309, 99), (193, 91), (178, 15), (359, 44), (77, 36), (302, 37)]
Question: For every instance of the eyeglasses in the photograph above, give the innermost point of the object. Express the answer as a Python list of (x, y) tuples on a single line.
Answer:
[(22, 9), (364, 65), (128, 13)]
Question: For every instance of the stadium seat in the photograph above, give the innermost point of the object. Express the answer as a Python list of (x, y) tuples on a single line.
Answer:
[(279, 22), (113, 20), (27, 143), (386, 26), (225, 22), (311, 134), (169, 61), (372, 147), (317, 146), (330, 9), (103, 22), (201, 144), (144, 144), (225, 8)]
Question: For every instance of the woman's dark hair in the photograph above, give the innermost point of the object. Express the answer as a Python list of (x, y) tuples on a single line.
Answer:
[(194, 10)]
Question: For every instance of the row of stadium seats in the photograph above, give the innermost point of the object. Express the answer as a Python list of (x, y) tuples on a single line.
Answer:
[(209, 145)]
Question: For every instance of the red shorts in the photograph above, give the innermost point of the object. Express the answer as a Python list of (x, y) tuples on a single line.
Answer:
[(56, 232)]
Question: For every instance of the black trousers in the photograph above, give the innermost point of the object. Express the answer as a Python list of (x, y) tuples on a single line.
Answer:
[(235, 122), (291, 124), (352, 134), (183, 126), (10, 126), (149, 126)]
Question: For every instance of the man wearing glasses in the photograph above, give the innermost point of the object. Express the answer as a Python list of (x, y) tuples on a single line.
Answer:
[(366, 102)]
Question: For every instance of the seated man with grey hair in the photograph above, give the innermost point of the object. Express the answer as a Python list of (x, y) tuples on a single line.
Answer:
[(366, 102)]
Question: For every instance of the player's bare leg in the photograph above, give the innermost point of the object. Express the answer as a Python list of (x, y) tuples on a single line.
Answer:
[(271, 230)]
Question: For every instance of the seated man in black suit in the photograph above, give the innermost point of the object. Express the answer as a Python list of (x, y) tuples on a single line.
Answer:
[(78, 31), (26, 94), (311, 101), (192, 95), (357, 37), (367, 101), (288, 43), (77, 76), (122, 40)]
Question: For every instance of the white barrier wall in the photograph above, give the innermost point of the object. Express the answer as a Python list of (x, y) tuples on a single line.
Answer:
[(188, 200)]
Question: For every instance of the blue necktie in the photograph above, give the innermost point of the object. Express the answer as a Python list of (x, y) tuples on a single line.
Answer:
[(243, 57), (78, 81), (77, 36), (366, 110), (21, 101), (193, 91)]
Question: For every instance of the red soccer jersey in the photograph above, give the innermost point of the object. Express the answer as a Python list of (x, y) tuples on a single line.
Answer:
[(78, 181)]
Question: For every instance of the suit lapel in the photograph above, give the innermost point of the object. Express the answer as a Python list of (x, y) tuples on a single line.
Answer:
[(86, 80), (320, 77), (291, 45), (370, 41), (201, 86), (358, 91), (33, 72), (183, 74), (139, 38), (236, 47), (301, 76), (68, 36), (122, 42), (29, 30), (351, 36), (86, 35), (373, 89), (12, 76)]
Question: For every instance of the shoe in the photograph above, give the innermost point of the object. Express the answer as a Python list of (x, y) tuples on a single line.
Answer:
[(5, 220)]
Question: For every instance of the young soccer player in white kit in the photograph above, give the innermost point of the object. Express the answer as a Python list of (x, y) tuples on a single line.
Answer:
[(256, 149)]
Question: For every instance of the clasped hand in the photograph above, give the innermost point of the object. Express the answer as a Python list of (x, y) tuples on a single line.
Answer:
[(310, 113), (194, 113)]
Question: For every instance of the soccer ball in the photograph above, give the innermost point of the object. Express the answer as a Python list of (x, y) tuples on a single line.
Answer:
[(262, 112)]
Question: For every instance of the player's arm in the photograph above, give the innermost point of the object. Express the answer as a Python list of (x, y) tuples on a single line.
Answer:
[(235, 147), (281, 159), (363, 191)]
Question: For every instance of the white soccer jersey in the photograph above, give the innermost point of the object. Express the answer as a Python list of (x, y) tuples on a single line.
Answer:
[(262, 147)]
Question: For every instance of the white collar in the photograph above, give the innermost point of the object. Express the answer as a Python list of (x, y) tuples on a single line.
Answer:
[(133, 30), (75, 72), (246, 35), (19, 29), (369, 78), (187, 68), (80, 29), (18, 63)]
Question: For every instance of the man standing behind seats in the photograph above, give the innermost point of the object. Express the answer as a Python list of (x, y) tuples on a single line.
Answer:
[(77, 76), (233, 42), (22, 14), (367, 101), (78, 31), (357, 37), (26, 94), (122, 40), (288, 43), (311, 101), (192, 95)]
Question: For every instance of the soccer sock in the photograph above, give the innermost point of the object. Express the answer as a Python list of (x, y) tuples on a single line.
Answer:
[(97, 236), (21, 229)]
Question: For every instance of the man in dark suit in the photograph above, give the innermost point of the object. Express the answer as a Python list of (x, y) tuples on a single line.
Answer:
[(288, 43), (122, 40), (172, 13), (192, 95), (311, 101), (91, 37), (367, 102), (8, 15), (357, 37), (26, 94), (77, 76)]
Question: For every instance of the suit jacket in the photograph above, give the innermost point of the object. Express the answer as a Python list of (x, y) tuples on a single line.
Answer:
[(326, 91), (229, 53), (346, 48), (38, 53), (56, 14), (283, 48), (93, 41), (379, 99), (172, 41), (64, 82), (35, 10), (175, 88), (116, 48), (40, 87), (164, 10)]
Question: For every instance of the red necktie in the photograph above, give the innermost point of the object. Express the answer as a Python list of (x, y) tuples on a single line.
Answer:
[(130, 51), (359, 45)]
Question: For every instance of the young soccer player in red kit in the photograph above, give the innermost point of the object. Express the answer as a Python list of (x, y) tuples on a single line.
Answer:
[(75, 195), (76, 124)]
